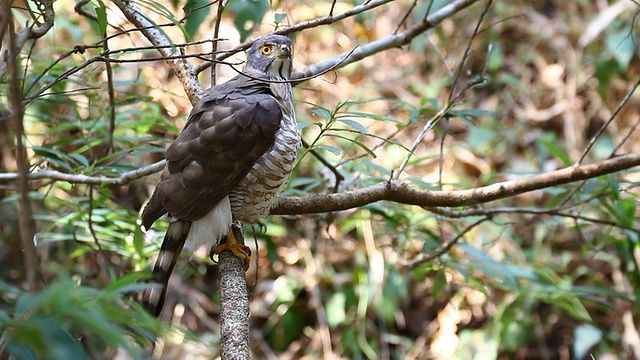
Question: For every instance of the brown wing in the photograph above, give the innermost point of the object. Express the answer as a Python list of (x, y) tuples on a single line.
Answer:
[(226, 133)]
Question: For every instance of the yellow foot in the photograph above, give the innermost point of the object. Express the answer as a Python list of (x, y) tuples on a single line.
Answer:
[(239, 250)]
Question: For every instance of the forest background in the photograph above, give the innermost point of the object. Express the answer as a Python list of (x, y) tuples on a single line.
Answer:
[(474, 165)]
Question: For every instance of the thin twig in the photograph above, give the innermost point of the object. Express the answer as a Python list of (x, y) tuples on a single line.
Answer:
[(301, 26), (533, 211), (112, 102), (388, 42), (465, 55), (626, 137), (593, 140), (406, 16), (184, 70), (422, 258), (425, 129), (325, 162), (450, 102), (216, 32)]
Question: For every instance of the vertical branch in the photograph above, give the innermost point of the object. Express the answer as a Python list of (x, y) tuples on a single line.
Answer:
[(216, 33), (112, 101), (234, 303), (26, 223)]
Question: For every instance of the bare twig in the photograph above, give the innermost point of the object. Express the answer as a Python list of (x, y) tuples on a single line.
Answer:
[(534, 211), (422, 258), (185, 71), (30, 32), (452, 94), (302, 26), (325, 162), (425, 129), (388, 42), (112, 101), (79, 8), (406, 16), (611, 118), (448, 105), (216, 32)]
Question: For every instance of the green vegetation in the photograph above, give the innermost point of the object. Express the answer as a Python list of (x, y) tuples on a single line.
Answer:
[(490, 94)]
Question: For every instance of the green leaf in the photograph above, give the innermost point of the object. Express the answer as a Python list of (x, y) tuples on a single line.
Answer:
[(557, 152), (196, 13), (333, 149), (496, 57), (323, 113), (278, 18), (46, 337), (620, 43), (365, 147), (248, 15), (101, 15), (369, 116), (120, 285), (355, 125), (584, 338), (336, 313)]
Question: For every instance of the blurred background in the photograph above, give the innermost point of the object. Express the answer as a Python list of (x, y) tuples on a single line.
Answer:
[(550, 274)]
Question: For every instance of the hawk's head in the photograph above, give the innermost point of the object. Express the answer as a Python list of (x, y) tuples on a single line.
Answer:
[(271, 54)]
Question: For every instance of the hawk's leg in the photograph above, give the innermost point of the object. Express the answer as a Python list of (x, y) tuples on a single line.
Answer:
[(238, 249)]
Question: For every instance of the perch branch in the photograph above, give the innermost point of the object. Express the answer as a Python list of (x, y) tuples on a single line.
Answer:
[(234, 303), (395, 190), (400, 192)]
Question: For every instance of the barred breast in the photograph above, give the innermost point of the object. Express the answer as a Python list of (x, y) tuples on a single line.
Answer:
[(253, 197)]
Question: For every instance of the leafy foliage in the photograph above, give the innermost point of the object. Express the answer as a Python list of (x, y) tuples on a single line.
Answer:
[(384, 281)]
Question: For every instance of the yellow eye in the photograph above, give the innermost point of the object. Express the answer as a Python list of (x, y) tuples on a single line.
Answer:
[(267, 49)]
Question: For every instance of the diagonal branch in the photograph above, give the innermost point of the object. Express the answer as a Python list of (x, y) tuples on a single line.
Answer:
[(185, 71), (30, 32), (388, 42), (330, 19)]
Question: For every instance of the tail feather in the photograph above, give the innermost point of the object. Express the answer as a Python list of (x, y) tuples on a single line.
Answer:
[(174, 239)]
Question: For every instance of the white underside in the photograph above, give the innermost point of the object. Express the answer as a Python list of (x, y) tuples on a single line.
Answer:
[(206, 232)]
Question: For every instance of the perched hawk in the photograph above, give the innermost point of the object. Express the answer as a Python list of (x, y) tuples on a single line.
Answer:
[(233, 156)]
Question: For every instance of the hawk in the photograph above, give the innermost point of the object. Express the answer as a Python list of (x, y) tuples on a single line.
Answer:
[(232, 158)]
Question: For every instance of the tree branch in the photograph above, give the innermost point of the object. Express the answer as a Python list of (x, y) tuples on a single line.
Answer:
[(395, 190), (234, 303), (30, 32), (400, 192), (123, 179), (16, 117), (299, 27), (388, 42), (185, 71)]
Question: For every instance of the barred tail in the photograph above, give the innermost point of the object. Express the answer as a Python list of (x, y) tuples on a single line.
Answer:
[(174, 239)]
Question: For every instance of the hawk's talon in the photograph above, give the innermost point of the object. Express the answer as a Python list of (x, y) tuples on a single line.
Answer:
[(239, 250)]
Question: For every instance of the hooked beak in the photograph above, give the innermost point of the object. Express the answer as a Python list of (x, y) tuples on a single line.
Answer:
[(285, 51)]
